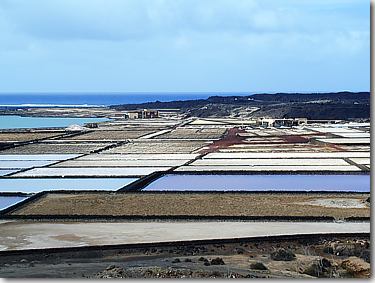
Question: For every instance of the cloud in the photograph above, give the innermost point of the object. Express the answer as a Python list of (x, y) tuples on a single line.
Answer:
[(128, 19), (187, 45)]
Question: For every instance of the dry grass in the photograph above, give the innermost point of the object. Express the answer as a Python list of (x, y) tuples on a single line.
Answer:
[(209, 204)]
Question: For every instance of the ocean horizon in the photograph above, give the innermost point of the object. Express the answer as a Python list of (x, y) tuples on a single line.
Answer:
[(100, 99)]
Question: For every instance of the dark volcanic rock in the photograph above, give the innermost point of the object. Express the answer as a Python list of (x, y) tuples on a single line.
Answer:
[(340, 105), (319, 268), (366, 255), (112, 272), (328, 250), (258, 266), (283, 255), (217, 261)]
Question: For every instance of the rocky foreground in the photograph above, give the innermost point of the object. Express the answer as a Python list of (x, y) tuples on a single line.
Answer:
[(311, 256), (331, 259)]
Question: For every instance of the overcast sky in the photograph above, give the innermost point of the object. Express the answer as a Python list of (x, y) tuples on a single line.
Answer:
[(184, 45)]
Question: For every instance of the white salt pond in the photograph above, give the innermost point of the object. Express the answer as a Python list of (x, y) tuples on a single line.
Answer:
[(35, 157), (6, 171), (343, 183), (342, 154), (342, 129), (346, 140), (90, 171), (271, 162), (140, 156), (364, 161), (32, 185), (10, 164), (353, 135), (268, 168), (121, 163)]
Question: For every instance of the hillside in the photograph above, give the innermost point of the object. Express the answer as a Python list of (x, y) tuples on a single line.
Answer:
[(338, 105)]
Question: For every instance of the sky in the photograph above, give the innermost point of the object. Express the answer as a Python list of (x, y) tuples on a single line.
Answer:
[(184, 45)]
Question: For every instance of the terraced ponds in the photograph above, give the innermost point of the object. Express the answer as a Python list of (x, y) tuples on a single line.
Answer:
[(12, 163), (342, 183), (32, 185)]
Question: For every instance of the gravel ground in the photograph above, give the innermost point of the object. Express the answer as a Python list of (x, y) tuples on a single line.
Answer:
[(321, 256), (18, 235)]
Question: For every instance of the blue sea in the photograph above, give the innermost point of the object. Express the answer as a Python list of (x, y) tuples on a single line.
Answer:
[(15, 100), (18, 122), (100, 99)]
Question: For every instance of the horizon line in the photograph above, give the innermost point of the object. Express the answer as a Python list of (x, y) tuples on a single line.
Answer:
[(175, 92)]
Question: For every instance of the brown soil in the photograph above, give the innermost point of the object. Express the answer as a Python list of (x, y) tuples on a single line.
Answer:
[(231, 138), (158, 146), (112, 135), (193, 133), (24, 136), (192, 204), (295, 139), (55, 148)]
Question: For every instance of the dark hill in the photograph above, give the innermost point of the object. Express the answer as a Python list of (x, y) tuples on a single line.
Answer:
[(335, 105)]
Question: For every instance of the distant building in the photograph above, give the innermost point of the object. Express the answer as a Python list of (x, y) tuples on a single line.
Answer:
[(169, 113), (131, 115), (91, 125), (286, 122), (142, 114), (265, 122)]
